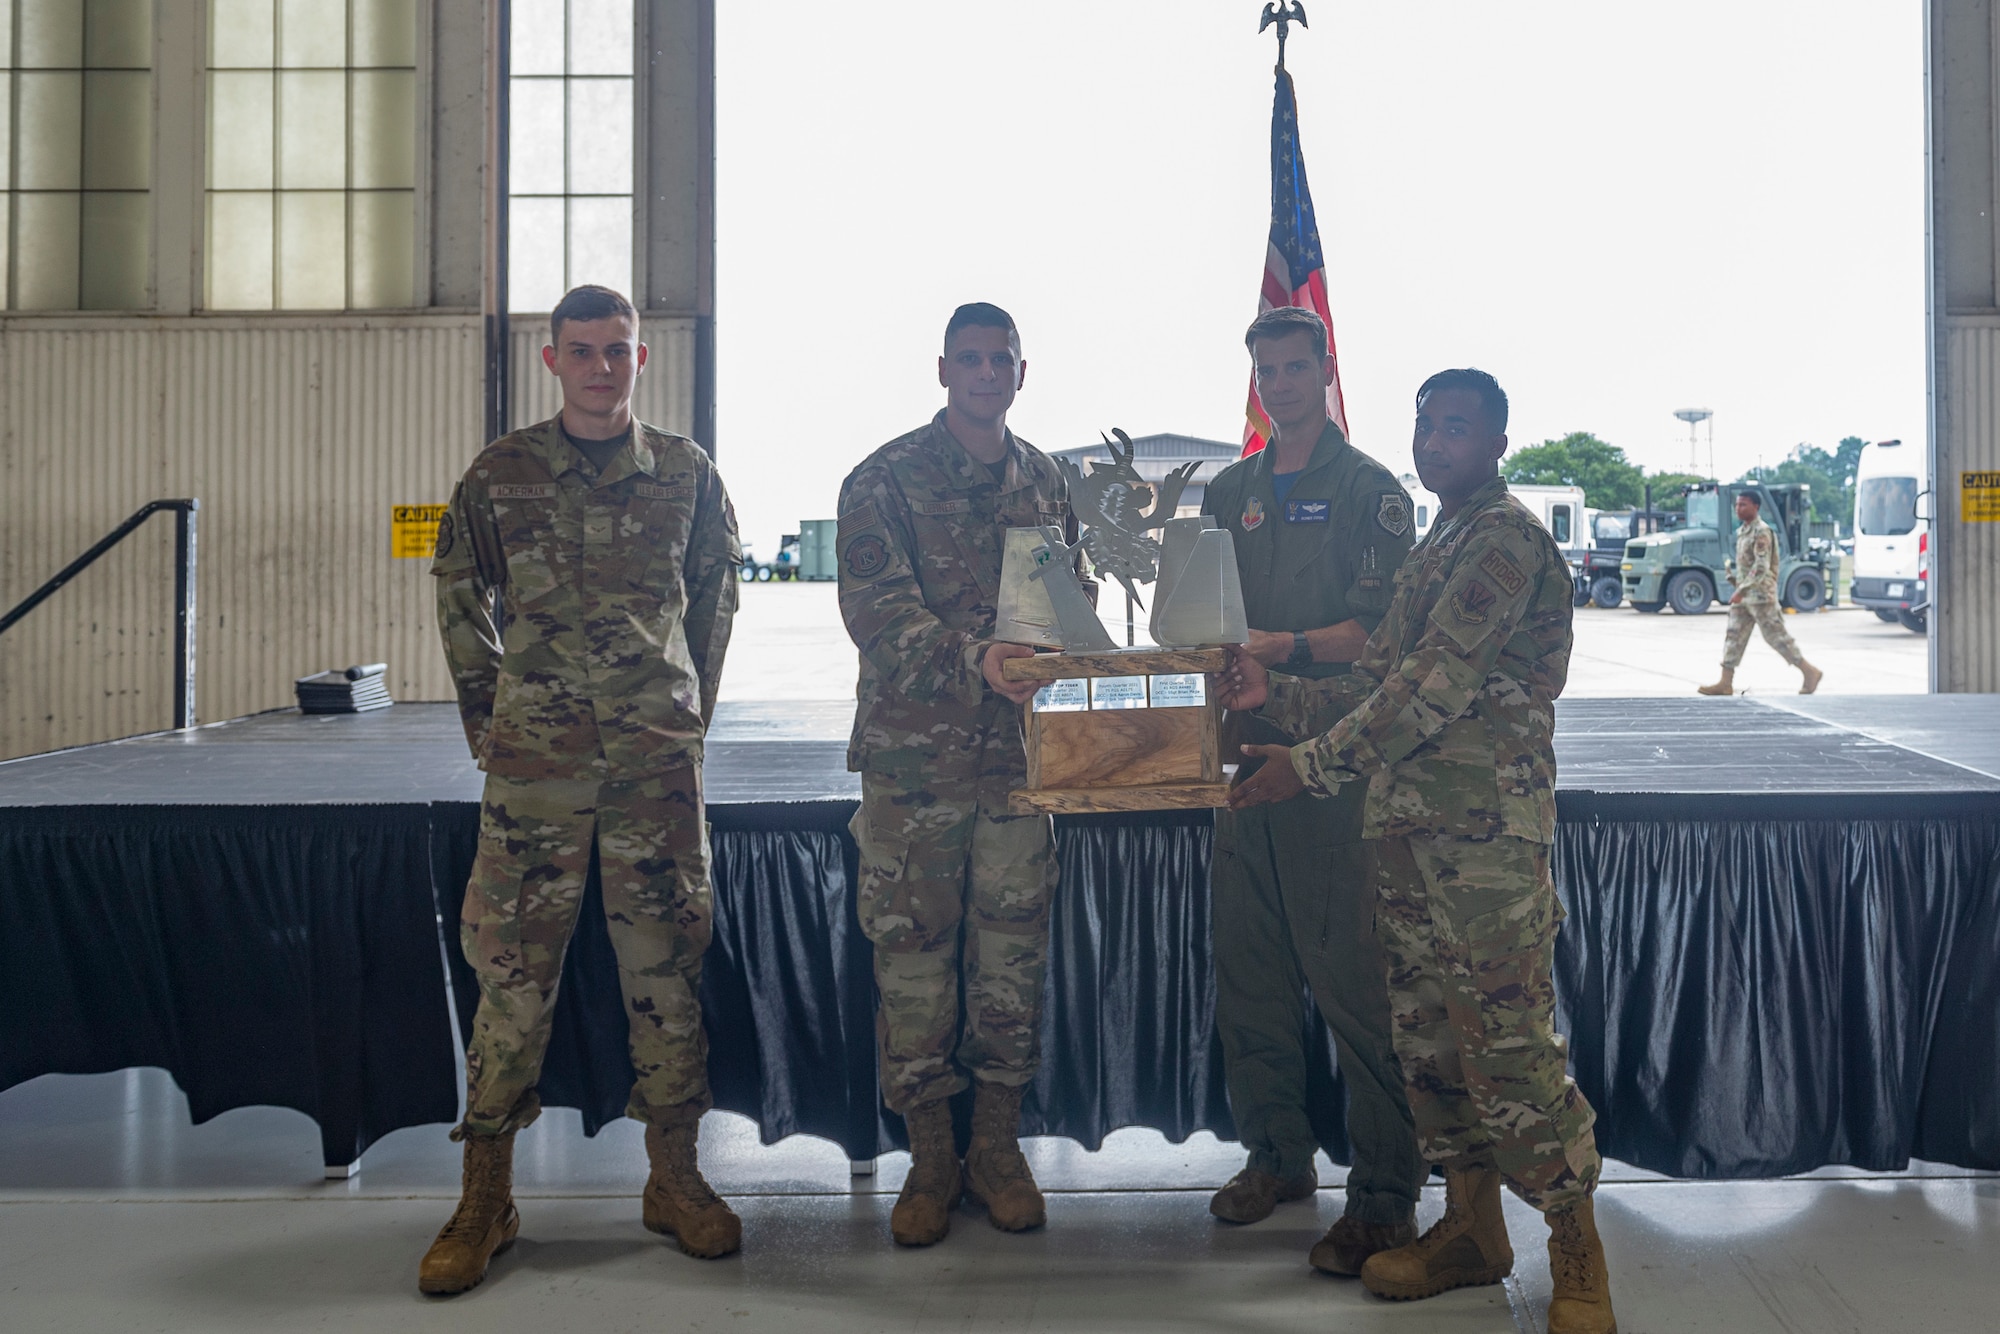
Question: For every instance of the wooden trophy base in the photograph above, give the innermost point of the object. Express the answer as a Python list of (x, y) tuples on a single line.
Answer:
[(1101, 758)]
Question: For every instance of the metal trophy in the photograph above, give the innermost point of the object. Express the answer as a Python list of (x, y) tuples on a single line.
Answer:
[(1122, 729)]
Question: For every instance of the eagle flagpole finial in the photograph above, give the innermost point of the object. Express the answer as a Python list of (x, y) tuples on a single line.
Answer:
[(1284, 15)]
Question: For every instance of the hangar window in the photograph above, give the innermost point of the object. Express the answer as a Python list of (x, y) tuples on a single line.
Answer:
[(571, 132), (312, 155), (76, 110)]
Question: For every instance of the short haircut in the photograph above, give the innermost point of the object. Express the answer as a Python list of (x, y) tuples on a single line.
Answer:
[(1281, 321), (1753, 498), (980, 315), (1492, 398), (587, 303)]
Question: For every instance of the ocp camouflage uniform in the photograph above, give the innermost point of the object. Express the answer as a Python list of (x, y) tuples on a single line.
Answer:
[(1755, 574), (1293, 884), (587, 707), (1449, 718), (951, 883)]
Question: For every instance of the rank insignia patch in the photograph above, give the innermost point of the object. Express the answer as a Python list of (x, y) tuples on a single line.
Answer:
[(1253, 515), (867, 556), (1473, 602), (1393, 513)]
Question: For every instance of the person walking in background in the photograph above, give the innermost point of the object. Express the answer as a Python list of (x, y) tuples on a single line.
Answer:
[(1754, 571), (1448, 718), (1320, 530), (613, 549)]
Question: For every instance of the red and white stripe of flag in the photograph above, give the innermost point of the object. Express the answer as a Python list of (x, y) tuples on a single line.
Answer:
[(1311, 294)]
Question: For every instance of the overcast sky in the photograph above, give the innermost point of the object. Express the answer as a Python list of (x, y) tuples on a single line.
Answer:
[(1618, 209)]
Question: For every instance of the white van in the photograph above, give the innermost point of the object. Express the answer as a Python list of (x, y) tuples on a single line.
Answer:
[(1891, 544), (1560, 508)]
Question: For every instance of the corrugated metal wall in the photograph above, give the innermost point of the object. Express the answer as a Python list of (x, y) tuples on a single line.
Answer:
[(665, 394), (1967, 624), (299, 436)]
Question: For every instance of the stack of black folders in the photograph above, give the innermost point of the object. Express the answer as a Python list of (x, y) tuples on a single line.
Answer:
[(355, 690)]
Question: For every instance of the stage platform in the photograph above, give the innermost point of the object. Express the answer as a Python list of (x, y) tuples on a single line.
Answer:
[(1783, 948)]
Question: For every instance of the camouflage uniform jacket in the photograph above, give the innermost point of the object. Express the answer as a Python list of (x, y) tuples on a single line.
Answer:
[(1449, 713), (921, 532), (1755, 569), (617, 591)]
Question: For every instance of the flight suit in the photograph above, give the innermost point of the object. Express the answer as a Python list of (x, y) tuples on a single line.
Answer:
[(954, 890), (587, 707), (1448, 722), (1293, 889)]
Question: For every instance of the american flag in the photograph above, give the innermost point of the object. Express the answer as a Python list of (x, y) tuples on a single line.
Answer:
[(1294, 268)]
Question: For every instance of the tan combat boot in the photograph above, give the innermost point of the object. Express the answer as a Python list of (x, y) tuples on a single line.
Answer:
[(1466, 1248), (995, 1172), (1726, 686), (1349, 1242), (1581, 1303), (678, 1202), (1810, 678), (484, 1224), (922, 1214), (1253, 1194)]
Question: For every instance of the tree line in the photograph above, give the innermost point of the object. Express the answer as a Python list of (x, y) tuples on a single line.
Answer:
[(1611, 481)]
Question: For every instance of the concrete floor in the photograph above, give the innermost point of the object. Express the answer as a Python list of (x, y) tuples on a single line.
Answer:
[(116, 1213), (789, 644)]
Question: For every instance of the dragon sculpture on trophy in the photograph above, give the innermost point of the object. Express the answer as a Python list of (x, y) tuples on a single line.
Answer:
[(1111, 500)]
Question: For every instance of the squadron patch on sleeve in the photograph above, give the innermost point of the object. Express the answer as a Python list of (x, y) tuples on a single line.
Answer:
[(867, 556), (1472, 602), (447, 536), (1393, 513), (1505, 573)]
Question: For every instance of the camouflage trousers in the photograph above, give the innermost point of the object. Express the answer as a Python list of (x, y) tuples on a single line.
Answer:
[(954, 894), (1468, 930), (1768, 617), (521, 904)]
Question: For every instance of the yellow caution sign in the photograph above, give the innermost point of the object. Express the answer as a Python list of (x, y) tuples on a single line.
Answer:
[(1979, 497), (413, 531)]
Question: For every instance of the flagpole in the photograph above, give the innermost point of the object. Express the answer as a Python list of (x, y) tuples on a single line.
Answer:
[(1284, 15)]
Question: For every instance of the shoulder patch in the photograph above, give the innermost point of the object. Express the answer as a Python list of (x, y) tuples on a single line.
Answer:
[(1253, 514), (1505, 573), (866, 556), (522, 490), (1472, 602), (447, 536), (1392, 512), (861, 516)]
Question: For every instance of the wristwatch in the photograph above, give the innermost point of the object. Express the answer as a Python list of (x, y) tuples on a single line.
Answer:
[(1301, 651)]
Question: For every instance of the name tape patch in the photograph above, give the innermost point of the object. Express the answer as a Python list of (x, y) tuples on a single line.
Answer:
[(1307, 511), (522, 490), (932, 508)]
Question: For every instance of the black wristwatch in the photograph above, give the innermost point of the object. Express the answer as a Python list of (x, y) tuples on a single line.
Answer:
[(1302, 652)]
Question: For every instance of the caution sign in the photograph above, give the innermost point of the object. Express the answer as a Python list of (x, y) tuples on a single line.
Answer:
[(1979, 497), (413, 531)]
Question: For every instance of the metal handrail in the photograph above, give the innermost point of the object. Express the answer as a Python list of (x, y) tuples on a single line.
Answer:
[(185, 512)]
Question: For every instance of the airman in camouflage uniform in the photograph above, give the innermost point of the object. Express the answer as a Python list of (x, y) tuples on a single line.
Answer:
[(954, 890), (1448, 717), (585, 591), (1754, 571)]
